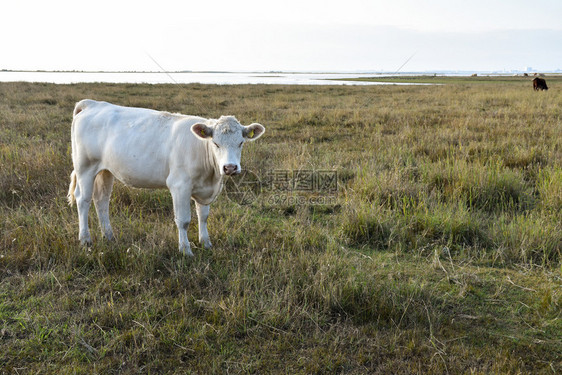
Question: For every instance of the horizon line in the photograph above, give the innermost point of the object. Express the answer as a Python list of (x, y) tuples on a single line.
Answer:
[(359, 71)]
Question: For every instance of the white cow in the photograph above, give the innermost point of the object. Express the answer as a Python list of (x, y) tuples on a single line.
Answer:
[(151, 149)]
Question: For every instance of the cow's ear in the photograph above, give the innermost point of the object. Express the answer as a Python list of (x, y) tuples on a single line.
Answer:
[(253, 132), (202, 131)]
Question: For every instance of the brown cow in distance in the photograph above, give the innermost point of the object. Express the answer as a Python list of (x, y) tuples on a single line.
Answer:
[(539, 84)]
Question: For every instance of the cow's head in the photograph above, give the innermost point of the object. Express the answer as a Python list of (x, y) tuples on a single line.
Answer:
[(226, 137)]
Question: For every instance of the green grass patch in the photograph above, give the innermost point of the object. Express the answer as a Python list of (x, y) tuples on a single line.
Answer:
[(439, 252)]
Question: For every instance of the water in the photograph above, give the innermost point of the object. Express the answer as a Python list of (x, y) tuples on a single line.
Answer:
[(220, 78)]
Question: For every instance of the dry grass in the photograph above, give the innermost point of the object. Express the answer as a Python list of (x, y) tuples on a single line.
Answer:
[(440, 254)]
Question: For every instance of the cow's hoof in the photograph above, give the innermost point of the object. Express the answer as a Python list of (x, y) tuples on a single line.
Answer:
[(186, 251), (86, 243)]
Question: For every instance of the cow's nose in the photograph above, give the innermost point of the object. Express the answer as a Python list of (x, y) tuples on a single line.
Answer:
[(230, 169)]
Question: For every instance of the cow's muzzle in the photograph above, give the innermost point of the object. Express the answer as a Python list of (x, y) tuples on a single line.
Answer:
[(230, 169)]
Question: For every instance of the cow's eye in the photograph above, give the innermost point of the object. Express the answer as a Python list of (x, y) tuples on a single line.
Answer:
[(241, 143), (216, 145)]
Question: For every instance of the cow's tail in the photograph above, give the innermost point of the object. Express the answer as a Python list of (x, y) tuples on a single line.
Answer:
[(70, 196), (79, 107)]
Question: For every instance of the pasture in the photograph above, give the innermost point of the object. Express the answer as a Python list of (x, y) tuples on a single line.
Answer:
[(440, 251)]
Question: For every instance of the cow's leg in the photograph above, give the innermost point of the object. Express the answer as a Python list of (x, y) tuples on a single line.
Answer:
[(83, 194), (181, 197), (103, 185), (202, 215)]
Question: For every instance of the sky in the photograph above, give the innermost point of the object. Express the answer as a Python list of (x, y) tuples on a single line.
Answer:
[(289, 35)]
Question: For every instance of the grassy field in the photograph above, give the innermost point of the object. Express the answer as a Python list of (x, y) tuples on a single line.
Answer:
[(440, 79), (440, 252)]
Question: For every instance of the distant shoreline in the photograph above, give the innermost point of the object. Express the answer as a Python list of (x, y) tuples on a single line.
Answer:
[(438, 72), (280, 78)]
